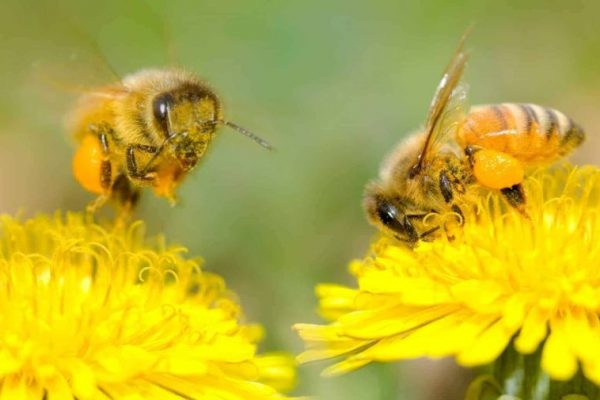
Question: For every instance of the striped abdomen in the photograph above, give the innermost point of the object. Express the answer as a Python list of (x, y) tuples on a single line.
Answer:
[(530, 133)]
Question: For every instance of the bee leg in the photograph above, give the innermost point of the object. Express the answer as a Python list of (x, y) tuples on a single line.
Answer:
[(132, 166), (461, 221), (95, 205), (126, 196), (458, 211), (416, 216), (410, 217), (105, 171), (470, 150), (515, 196), (411, 232), (429, 232), (105, 166), (446, 186)]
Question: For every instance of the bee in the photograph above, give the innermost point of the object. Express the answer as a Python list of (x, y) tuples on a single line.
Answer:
[(149, 130), (437, 170)]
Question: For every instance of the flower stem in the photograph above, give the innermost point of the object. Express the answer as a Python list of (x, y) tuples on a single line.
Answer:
[(520, 375)]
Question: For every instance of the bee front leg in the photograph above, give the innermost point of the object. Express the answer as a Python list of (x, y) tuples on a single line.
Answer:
[(409, 229), (132, 166), (429, 232)]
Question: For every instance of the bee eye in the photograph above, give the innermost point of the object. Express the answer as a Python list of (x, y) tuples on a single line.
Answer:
[(387, 213), (390, 216), (161, 107)]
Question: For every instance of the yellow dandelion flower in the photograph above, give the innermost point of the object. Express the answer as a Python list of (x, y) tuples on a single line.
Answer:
[(91, 313), (504, 281)]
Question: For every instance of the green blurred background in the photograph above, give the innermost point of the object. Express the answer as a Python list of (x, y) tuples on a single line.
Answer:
[(332, 84)]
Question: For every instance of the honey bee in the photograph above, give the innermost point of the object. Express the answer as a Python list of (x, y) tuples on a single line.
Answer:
[(149, 130), (489, 146)]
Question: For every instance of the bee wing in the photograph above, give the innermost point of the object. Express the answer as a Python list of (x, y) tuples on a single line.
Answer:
[(448, 106), (74, 60), (50, 53)]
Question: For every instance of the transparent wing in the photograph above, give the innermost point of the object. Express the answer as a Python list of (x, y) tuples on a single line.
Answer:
[(454, 112), (66, 44), (49, 58), (447, 108), (72, 59), (55, 50)]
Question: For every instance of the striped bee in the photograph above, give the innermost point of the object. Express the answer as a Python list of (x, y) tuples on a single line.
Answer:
[(148, 130), (488, 146)]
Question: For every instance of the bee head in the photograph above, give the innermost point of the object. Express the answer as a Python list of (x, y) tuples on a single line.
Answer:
[(394, 216), (188, 117)]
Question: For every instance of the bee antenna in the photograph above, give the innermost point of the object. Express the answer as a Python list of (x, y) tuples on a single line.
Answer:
[(249, 134)]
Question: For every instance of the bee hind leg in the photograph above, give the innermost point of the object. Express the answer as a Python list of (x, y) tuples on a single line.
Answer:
[(105, 183), (515, 196), (105, 172), (126, 196), (470, 151), (92, 208)]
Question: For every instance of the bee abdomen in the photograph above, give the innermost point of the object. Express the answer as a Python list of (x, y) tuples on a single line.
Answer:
[(529, 132), (548, 123)]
